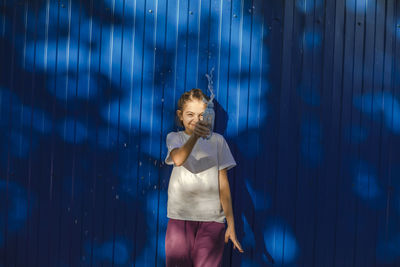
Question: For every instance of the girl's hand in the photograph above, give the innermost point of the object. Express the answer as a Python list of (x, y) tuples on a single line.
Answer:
[(230, 234), (201, 129)]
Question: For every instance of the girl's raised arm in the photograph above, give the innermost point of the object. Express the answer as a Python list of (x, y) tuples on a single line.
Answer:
[(180, 155)]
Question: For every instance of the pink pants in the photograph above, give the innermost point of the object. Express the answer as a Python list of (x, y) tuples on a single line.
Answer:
[(191, 243)]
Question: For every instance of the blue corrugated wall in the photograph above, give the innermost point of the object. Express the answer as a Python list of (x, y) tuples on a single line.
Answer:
[(307, 95)]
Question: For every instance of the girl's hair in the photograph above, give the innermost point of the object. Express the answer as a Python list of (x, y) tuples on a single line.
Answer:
[(193, 94)]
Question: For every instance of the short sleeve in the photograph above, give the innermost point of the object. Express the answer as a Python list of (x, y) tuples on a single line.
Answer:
[(225, 158), (173, 141)]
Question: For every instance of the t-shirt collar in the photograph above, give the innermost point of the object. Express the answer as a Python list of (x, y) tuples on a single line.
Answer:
[(185, 133)]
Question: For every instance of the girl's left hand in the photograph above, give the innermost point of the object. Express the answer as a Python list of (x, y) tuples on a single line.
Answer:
[(230, 234)]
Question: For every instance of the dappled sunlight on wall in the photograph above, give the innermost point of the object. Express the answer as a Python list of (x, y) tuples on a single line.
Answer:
[(306, 96)]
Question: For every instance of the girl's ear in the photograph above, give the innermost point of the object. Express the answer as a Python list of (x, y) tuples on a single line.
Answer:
[(178, 118), (179, 114)]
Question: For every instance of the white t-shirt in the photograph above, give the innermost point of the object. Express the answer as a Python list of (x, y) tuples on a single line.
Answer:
[(193, 190)]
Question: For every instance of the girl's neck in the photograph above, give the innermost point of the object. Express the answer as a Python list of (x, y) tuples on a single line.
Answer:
[(187, 132)]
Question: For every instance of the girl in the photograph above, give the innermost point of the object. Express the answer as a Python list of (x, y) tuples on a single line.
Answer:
[(199, 198)]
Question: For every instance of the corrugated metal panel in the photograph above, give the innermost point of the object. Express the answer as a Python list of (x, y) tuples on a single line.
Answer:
[(306, 95)]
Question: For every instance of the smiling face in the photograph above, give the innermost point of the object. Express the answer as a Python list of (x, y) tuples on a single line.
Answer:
[(192, 112)]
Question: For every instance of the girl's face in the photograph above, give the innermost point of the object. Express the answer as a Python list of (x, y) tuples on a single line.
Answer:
[(192, 112)]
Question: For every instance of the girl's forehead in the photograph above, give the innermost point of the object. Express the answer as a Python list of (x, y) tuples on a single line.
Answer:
[(194, 106)]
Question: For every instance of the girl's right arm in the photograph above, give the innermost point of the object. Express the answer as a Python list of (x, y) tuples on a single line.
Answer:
[(179, 155)]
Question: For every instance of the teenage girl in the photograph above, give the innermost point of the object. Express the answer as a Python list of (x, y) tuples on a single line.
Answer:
[(199, 198)]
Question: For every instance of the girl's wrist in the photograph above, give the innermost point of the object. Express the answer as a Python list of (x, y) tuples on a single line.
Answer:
[(195, 136), (230, 224)]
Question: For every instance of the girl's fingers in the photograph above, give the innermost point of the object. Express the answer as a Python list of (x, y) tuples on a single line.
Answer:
[(237, 245), (203, 123), (203, 129), (202, 132)]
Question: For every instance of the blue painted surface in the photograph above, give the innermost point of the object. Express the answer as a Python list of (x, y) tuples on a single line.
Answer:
[(307, 96)]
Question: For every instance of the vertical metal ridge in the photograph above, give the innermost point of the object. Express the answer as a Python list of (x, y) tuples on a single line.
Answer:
[(394, 69), (58, 249), (298, 134), (131, 88), (249, 82), (153, 72), (238, 84), (140, 119), (116, 212), (208, 37), (30, 141), (23, 82), (259, 90), (67, 86), (110, 68), (363, 40), (340, 151), (132, 60), (285, 35), (373, 89), (131, 67), (227, 92), (176, 48), (260, 65), (80, 238), (219, 47), (187, 44), (11, 84), (229, 56), (354, 245), (95, 171), (67, 56), (337, 183), (4, 19), (161, 133), (198, 43), (249, 69), (53, 106)]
